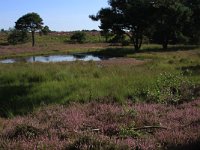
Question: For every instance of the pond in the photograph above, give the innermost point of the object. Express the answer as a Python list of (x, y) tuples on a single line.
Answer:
[(54, 58)]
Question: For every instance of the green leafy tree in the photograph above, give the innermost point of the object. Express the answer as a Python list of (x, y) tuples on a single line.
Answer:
[(30, 22), (130, 17), (79, 37), (106, 23), (171, 16)]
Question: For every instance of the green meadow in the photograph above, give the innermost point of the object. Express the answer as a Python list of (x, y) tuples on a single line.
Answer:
[(164, 76)]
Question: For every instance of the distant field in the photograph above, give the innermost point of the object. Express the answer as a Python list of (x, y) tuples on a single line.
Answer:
[(50, 44)]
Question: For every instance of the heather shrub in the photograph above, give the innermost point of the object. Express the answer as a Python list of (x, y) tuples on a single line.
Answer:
[(83, 126), (92, 143)]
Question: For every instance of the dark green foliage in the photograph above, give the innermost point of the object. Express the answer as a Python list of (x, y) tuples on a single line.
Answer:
[(30, 22), (78, 37), (192, 28), (126, 17), (119, 38), (163, 21), (2, 30), (170, 17), (45, 30), (16, 37), (106, 23), (173, 89)]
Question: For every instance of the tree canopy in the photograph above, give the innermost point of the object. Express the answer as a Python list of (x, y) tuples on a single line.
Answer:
[(170, 18), (130, 17), (30, 22), (192, 28), (45, 30), (161, 20)]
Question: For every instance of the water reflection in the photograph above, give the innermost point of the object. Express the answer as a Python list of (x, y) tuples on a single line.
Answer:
[(54, 58)]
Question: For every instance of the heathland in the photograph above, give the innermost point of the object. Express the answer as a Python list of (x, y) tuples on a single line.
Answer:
[(141, 100)]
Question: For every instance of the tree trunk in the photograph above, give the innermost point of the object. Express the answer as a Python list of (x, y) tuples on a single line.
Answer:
[(136, 47), (165, 42), (165, 45), (137, 38), (33, 38), (137, 41), (141, 39)]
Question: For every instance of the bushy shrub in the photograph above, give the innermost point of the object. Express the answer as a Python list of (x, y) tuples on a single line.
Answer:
[(173, 88), (17, 37), (45, 30), (79, 37)]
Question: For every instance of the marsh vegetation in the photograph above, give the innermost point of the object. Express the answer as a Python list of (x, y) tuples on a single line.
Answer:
[(147, 98)]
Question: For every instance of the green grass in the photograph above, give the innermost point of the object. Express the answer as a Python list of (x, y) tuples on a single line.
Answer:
[(32, 84), (26, 86)]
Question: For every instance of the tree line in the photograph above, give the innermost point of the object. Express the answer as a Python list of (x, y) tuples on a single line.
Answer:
[(162, 21)]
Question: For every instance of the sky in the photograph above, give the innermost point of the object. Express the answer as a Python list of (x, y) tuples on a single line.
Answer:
[(59, 15)]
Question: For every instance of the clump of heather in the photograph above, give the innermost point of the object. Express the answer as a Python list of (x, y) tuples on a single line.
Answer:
[(105, 126)]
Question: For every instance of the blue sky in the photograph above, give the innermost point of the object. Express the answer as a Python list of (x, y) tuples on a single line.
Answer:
[(59, 15)]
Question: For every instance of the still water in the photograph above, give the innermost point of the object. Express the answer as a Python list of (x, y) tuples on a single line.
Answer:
[(54, 58)]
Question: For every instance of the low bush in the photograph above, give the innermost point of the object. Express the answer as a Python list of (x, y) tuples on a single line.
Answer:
[(78, 37), (170, 88), (17, 37)]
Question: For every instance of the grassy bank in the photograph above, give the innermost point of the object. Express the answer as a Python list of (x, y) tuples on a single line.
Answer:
[(164, 77)]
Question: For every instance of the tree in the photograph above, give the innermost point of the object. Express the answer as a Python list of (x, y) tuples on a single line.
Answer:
[(171, 16), (130, 17), (45, 30), (2, 30), (192, 28), (79, 37), (106, 23), (30, 22)]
